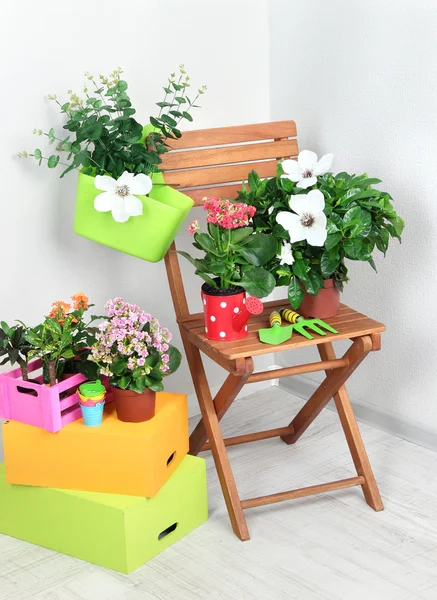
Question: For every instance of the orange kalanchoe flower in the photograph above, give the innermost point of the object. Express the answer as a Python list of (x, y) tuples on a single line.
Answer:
[(80, 300), (59, 310)]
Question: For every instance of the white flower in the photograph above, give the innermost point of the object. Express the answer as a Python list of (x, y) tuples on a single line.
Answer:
[(309, 222), (305, 170), (286, 255), (119, 196)]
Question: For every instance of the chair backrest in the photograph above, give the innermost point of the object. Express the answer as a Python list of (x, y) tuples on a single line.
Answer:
[(215, 162)]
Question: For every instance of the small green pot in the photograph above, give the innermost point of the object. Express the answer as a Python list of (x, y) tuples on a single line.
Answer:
[(148, 236)]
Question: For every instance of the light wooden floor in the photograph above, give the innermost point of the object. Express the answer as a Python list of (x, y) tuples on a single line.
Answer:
[(327, 547)]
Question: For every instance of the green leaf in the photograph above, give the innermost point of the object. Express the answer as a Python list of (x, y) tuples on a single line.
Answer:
[(214, 231), (253, 180), (121, 86), (332, 240), (358, 221), (398, 224), (118, 365), (257, 282), (156, 386), (353, 248), (68, 354), (53, 161), (124, 381), (313, 283), (175, 358), (328, 264), (295, 292), (259, 249), (187, 116), (335, 223), (37, 154), (240, 234), (300, 268), (5, 328), (53, 325), (196, 262), (207, 243), (206, 278)]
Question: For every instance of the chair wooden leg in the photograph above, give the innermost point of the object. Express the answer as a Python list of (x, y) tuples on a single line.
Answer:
[(327, 390), (213, 431), (223, 400), (353, 438)]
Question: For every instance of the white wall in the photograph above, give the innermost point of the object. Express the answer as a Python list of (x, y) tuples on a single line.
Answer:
[(360, 80), (45, 47)]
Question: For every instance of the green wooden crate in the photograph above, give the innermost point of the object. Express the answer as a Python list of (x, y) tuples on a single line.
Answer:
[(110, 530)]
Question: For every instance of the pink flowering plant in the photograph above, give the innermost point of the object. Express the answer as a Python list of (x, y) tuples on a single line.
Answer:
[(132, 348), (234, 253)]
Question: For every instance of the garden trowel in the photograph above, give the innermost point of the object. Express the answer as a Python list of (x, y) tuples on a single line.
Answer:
[(275, 334), (300, 323)]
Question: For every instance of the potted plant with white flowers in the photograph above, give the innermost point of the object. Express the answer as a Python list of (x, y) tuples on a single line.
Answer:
[(122, 200), (319, 220)]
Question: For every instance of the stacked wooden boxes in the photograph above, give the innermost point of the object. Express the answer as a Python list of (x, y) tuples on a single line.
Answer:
[(114, 495)]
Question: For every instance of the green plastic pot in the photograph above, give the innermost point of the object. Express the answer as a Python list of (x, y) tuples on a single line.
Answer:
[(148, 236)]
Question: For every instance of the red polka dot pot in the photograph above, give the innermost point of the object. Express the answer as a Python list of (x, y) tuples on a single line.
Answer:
[(227, 312)]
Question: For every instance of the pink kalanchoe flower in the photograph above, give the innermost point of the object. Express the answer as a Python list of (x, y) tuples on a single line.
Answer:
[(226, 214), (194, 227)]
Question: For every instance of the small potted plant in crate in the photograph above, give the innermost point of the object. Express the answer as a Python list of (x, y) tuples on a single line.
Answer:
[(46, 401), (235, 255), (122, 200), (319, 220), (14, 347), (134, 351)]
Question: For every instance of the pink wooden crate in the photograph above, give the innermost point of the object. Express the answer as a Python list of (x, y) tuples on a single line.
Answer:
[(47, 407)]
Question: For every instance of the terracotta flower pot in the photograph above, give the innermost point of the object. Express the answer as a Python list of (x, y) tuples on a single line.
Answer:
[(326, 304), (227, 312), (132, 407)]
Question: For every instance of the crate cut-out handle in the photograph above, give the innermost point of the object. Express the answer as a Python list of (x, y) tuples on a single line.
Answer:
[(25, 390), (170, 458), (167, 531)]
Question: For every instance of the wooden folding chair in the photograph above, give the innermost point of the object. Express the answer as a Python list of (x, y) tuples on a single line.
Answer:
[(214, 162)]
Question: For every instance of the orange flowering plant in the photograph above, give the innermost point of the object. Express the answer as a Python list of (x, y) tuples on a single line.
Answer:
[(63, 340)]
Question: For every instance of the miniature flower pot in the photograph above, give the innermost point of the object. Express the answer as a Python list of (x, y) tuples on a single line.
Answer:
[(132, 407), (324, 305), (147, 236), (92, 413), (227, 312)]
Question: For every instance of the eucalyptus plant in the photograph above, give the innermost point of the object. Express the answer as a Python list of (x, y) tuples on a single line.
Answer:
[(104, 137), (358, 219)]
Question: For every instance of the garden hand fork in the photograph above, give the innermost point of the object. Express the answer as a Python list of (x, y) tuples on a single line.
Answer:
[(299, 323)]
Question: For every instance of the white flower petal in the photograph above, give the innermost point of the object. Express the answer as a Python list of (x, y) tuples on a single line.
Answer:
[(301, 204), (292, 224), (292, 170), (307, 160), (316, 235), (303, 184), (292, 177), (133, 206), (141, 184), (105, 183), (320, 219), (125, 178), (316, 200), (323, 165), (118, 211), (104, 202)]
